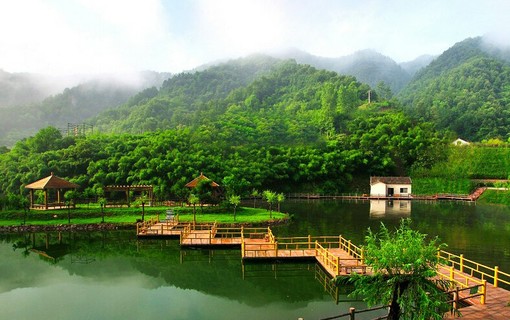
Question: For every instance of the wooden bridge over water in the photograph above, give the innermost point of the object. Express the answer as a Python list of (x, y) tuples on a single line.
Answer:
[(477, 287)]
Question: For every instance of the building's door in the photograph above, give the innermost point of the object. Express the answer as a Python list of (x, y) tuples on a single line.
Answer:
[(391, 192)]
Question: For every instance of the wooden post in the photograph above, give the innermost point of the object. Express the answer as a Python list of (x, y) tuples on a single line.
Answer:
[(242, 252), (309, 241), (461, 263), (496, 271), (337, 266), (276, 249), (352, 313), (349, 247), (456, 298), (451, 273), (484, 291), (31, 198)]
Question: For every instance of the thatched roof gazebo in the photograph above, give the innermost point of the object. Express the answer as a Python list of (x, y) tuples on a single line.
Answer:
[(47, 184), (193, 183), (214, 188)]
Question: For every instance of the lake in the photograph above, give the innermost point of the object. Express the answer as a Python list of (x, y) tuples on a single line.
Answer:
[(112, 275)]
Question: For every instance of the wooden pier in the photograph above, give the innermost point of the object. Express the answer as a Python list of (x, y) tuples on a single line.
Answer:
[(476, 287)]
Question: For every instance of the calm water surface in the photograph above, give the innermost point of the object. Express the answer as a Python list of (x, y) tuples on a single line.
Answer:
[(111, 275)]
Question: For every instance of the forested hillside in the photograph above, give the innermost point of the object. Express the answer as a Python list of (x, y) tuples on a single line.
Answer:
[(183, 98), (261, 122), (290, 128), (72, 105), (465, 90)]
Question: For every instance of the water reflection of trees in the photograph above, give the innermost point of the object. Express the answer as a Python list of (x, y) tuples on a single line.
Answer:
[(114, 254)]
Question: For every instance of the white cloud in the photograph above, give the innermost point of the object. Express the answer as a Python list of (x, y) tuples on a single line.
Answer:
[(76, 36), (240, 27)]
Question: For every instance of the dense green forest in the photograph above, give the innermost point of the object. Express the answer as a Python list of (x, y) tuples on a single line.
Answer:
[(266, 123), (465, 90), (295, 128)]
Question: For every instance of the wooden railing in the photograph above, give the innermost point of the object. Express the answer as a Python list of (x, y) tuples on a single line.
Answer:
[(464, 281), (473, 292), (229, 232), (475, 269), (328, 260), (264, 234), (351, 249), (147, 227), (353, 312), (198, 238), (144, 226)]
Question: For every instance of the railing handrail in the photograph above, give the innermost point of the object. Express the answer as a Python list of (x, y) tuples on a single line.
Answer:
[(463, 264)]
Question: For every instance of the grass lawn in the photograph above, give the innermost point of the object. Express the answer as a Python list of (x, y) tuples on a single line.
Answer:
[(89, 214), (431, 186), (243, 215)]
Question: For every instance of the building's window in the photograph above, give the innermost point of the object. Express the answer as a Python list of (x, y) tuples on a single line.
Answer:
[(403, 190)]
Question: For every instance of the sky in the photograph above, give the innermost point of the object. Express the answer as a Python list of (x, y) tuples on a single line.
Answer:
[(114, 36)]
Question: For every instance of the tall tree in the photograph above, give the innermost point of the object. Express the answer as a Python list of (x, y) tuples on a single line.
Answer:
[(193, 200), (270, 197), (254, 194), (235, 201), (280, 197), (404, 265)]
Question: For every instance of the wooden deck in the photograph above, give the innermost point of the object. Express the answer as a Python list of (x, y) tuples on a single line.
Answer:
[(496, 306), (338, 256)]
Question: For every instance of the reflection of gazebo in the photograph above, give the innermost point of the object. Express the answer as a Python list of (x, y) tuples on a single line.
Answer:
[(47, 184), (140, 189)]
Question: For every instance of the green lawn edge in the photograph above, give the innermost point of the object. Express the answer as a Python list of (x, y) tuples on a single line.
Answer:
[(125, 216)]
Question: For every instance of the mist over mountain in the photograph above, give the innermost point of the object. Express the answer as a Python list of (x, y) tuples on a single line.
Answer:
[(367, 66), (18, 89), (413, 66), (72, 105)]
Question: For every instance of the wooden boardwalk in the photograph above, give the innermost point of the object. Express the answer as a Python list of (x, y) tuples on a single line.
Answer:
[(338, 256)]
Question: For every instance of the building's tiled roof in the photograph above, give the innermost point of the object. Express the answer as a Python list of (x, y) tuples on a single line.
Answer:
[(193, 183), (390, 180), (51, 182)]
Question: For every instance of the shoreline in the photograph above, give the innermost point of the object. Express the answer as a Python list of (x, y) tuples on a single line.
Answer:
[(67, 227), (108, 226)]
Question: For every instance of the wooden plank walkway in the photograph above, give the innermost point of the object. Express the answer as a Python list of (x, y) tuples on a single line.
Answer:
[(496, 306), (337, 256)]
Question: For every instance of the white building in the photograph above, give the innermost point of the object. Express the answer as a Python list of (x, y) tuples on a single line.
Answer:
[(392, 187)]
